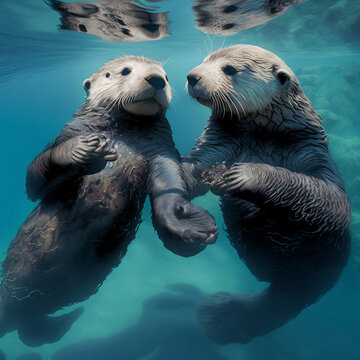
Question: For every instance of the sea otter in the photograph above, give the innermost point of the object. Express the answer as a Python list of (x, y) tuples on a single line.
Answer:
[(113, 20), (285, 209), (92, 182), (228, 17)]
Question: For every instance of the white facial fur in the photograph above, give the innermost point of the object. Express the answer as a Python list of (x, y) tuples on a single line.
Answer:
[(113, 20), (227, 17), (260, 78), (122, 83)]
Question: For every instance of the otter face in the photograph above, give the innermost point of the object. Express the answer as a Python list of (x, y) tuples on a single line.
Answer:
[(112, 20), (227, 17), (240, 79), (135, 84)]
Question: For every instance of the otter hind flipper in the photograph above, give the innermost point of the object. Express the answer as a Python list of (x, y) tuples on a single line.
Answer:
[(229, 318), (47, 329)]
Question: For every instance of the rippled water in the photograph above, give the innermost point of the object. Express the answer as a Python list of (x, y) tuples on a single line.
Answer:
[(41, 72)]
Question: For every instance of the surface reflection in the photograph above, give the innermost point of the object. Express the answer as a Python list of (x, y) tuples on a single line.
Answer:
[(227, 17), (113, 20)]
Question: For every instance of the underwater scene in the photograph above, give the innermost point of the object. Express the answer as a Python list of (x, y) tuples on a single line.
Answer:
[(276, 277)]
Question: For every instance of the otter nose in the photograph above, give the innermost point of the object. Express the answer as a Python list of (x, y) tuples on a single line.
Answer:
[(151, 27), (193, 80), (156, 82)]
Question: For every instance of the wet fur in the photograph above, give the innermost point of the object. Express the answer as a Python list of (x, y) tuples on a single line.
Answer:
[(233, 16), (112, 20), (89, 213), (284, 204), (81, 229)]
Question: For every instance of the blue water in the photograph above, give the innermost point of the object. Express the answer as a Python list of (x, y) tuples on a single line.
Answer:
[(41, 74)]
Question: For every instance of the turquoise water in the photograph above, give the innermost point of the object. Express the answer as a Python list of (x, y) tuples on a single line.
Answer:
[(41, 73)]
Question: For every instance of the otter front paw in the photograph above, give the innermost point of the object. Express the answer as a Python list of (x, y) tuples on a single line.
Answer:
[(244, 178), (90, 148), (185, 228), (86, 151), (214, 178)]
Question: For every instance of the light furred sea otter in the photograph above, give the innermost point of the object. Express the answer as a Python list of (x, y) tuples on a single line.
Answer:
[(228, 17), (113, 20), (283, 201), (92, 182)]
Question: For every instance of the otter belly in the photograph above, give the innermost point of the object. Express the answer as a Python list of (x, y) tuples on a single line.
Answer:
[(277, 249), (64, 250)]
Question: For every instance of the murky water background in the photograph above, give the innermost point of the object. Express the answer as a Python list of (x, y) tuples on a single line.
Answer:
[(41, 74)]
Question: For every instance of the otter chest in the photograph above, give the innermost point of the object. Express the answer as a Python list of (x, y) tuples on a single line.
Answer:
[(268, 152), (120, 179)]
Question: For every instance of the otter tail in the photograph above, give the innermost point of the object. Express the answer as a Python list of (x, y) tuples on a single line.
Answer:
[(5, 323), (231, 318), (47, 329)]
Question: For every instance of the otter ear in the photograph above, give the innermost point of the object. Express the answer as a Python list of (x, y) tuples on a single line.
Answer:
[(87, 85), (282, 75)]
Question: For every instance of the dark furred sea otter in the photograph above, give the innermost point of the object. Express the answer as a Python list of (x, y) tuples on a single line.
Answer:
[(283, 201), (92, 183)]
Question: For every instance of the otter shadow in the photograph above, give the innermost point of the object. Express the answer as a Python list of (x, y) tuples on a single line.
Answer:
[(167, 329), (113, 20)]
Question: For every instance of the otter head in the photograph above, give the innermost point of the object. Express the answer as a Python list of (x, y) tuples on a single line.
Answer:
[(112, 20), (135, 84), (241, 80), (227, 17)]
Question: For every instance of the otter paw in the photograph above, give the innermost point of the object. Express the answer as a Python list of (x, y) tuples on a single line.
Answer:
[(194, 224), (214, 178), (184, 228), (93, 147), (241, 177)]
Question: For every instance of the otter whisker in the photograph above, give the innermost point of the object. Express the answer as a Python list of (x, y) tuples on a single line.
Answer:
[(233, 103), (163, 63), (228, 102), (220, 103), (175, 100), (240, 104), (217, 105), (111, 105), (225, 104), (232, 92)]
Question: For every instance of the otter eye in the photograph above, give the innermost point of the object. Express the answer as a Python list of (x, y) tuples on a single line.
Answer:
[(107, 75), (126, 32), (166, 78), (82, 28), (228, 26), (274, 10), (229, 70), (125, 71), (230, 9), (87, 85), (283, 77)]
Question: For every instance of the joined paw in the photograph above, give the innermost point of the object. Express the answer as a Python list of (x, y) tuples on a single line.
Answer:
[(91, 147), (84, 151), (193, 223), (185, 228), (241, 177)]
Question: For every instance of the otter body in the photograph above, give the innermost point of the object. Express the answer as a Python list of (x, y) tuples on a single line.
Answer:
[(92, 183), (286, 212), (87, 220)]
